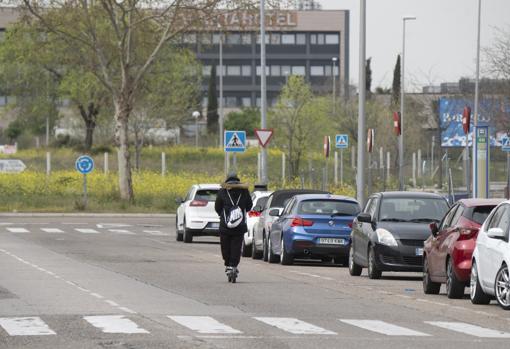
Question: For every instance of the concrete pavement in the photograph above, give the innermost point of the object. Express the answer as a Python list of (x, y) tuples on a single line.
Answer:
[(124, 282)]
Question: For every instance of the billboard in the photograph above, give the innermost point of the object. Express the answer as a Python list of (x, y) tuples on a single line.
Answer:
[(493, 112)]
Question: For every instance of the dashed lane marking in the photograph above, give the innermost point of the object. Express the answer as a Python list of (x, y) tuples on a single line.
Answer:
[(17, 230), (52, 230), (204, 325), (383, 328), (294, 326), (121, 231), (86, 231)]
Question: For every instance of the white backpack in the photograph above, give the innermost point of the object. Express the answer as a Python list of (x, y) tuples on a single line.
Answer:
[(236, 215)]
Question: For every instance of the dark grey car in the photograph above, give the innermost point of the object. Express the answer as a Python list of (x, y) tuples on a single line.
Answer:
[(389, 234)]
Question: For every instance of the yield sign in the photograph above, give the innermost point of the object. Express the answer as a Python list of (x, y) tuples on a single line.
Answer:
[(264, 136)]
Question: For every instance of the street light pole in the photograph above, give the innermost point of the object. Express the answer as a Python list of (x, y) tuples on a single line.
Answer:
[(402, 96), (334, 59), (263, 122), (475, 189), (360, 182), (220, 119), (196, 115)]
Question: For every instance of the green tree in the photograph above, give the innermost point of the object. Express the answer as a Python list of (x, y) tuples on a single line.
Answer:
[(300, 120), (14, 130), (247, 119), (212, 103), (119, 42), (395, 87)]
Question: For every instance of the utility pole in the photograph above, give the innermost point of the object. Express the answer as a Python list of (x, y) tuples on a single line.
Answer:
[(475, 187), (263, 123), (360, 182)]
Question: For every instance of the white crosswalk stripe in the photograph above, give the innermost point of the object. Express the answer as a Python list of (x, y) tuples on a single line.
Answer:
[(204, 325), (52, 230), (293, 326), (86, 231), (155, 232), (112, 225), (17, 230), (114, 324), (469, 329), (25, 326), (383, 328), (121, 231)]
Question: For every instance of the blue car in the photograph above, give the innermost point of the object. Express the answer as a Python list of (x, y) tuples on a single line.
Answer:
[(313, 226)]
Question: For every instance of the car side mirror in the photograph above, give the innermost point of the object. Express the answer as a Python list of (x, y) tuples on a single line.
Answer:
[(275, 212), (434, 229), (179, 200), (496, 233), (365, 218)]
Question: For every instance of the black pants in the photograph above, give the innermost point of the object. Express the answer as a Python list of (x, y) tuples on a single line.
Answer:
[(231, 249)]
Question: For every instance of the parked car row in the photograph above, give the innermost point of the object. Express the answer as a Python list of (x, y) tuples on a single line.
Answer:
[(466, 244)]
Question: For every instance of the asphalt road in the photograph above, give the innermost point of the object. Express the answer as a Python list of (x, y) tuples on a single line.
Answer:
[(119, 282)]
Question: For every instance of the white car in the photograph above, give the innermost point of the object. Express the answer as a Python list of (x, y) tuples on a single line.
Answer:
[(196, 215), (259, 199), (491, 259)]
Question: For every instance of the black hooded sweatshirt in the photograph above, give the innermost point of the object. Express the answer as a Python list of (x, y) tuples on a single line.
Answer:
[(237, 191)]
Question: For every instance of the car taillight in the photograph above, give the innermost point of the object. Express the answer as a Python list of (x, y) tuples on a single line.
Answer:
[(467, 234), (349, 225), (198, 203), (254, 214), (300, 222)]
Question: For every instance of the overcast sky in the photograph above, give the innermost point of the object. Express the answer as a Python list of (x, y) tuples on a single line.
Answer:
[(440, 44)]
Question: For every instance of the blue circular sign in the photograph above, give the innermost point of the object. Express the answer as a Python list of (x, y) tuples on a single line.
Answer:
[(84, 164)]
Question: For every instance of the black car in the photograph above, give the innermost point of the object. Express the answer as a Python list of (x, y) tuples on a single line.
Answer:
[(389, 234)]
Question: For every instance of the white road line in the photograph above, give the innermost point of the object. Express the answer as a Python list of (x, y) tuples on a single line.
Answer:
[(294, 326), (87, 231), (155, 232), (121, 231), (112, 225), (52, 230), (204, 325), (114, 324), (17, 230), (469, 329), (112, 303), (383, 328), (25, 326)]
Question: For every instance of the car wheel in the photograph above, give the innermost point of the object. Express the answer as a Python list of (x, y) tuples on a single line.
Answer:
[(429, 286), (354, 269), (272, 257), (454, 288), (255, 254), (187, 235), (246, 250), (286, 257), (265, 254), (476, 292), (502, 287), (178, 235), (373, 272)]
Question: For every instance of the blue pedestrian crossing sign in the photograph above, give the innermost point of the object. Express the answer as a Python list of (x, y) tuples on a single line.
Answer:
[(342, 141), (505, 144), (84, 164), (235, 141)]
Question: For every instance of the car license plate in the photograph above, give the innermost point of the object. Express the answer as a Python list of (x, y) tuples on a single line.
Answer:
[(419, 251), (215, 225), (331, 241)]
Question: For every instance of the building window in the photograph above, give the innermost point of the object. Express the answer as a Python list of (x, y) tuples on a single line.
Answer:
[(258, 102), (301, 39), (327, 70), (286, 70), (233, 70), (267, 38), (206, 39), (317, 70), (276, 39), (275, 70), (206, 70), (205, 100), (317, 39), (246, 102), (190, 38), (298, 70), (216, 38), (246, 39), (234, 39), (336, 70), (218, 71), (288, 39), (230, 102), (332, 39), (246, 70), (259, 69)]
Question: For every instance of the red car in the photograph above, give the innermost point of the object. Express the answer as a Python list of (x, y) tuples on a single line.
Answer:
[(447, 252)]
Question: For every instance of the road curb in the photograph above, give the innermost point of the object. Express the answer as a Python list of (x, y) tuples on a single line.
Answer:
[(125, 215)]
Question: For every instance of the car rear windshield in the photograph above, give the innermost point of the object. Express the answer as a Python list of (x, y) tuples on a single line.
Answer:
[(416, 210), (206, 194), (261, 202), (328, 208), (281, 199), (479, 214)]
